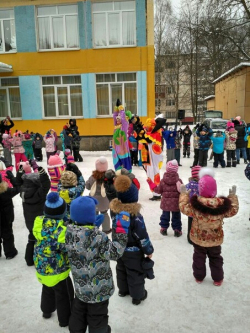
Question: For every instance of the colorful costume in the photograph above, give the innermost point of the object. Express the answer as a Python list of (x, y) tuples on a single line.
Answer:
[(120, 150)]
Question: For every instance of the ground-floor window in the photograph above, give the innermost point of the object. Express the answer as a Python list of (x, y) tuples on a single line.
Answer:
[(10, 102), (110, 87), (62, 96)]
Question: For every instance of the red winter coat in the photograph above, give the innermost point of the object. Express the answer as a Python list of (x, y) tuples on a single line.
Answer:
[(168, 189)]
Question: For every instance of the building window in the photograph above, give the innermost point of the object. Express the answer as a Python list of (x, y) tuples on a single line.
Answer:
[(170, 102), (10, 102), (62, 96), (170, 114), (57, 27), (114, 24), (110, 87), (170, 90), (7, 31)]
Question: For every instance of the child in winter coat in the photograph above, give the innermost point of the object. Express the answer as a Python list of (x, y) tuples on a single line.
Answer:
[(49, 140), (33, 191), (169, 188), (55, 170), (7, 216), (193, 189), (129, 270), (28, 146), (196, 145), (89, 252), (71, 186), (19, 152), (7, 147), (231, 137), (186, 141), (3, 172), (177, 149), (169, 137), (51, 260), (75, 141), (95, 184), (204, 133), (133, 150), (218, 149), (208, 212), (38, 144)]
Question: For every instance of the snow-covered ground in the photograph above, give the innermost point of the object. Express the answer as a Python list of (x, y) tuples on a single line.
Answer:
[(175, 303)]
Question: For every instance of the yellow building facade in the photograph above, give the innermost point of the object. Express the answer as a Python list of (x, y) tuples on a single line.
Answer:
[(73, 59)]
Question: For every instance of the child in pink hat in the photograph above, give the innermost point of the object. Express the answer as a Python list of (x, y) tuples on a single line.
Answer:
[(169, 188), (208, 212)]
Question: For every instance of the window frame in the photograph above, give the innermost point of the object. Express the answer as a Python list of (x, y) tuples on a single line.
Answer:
[(8, 96), (122, 98), (57, 15), (62, 85), (2, 29), (107, 46)]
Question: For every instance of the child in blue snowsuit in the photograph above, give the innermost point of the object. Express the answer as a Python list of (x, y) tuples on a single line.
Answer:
[(169, 137), (218, 149), (204, 133)]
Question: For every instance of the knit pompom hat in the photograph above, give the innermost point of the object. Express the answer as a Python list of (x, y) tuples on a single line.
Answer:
[(195, 171), (27, 136), (67, 152), (55, 160), (127, 192), (68, 179), (26, 167), (5, 136), (172, 166), (101, 164), (83, 210), (207, 184), (55, 207), (230, 125)]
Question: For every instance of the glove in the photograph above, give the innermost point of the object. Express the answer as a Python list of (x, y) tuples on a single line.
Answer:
[(122, 223), (41, 170), (151, 184), (232, 191), (183, 189), (9, 174), (72, 167), (34, 164), (99, 220)]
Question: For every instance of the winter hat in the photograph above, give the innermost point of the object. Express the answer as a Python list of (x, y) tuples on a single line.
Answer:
[(207, 184), (55, 207), (127, 192), (230, 125), (55, 160), (2, 166), (83, 210), (70, 159), (172, 166), (195, 171), (67, 152), (204, 128), (101, 164), (65, 127), (125, 172), (27, 136), (5, 136), (236, 122), (68, 179), (26, 166)]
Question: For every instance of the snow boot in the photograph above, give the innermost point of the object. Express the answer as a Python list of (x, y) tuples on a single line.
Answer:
[(164, 232), (155, 198), (138, 301), (218, 283), (238, 161), (245, 161), (177, 233)]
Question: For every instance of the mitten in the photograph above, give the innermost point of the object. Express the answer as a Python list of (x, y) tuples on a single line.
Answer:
[(232, 191), (183, 189), (34, 164), (72, 167), (151, 184), (136, 182), (9, 174), (41, 170), (122, 223)]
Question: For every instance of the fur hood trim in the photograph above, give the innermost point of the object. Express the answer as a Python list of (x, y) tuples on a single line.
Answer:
[(3, 187), (132, 208), (218, 206)]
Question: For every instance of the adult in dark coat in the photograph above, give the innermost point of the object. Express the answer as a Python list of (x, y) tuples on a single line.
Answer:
[(240, 142), (186, 133), (7, 216), (33, 191), (4, 127)]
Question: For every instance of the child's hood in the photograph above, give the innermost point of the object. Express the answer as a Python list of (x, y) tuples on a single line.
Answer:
[(211, 206), (47, 227), (132, 208), (83, 237), (171, 178)]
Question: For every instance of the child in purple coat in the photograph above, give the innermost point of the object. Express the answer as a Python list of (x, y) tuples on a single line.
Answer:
[(169, 188), (194, 190)]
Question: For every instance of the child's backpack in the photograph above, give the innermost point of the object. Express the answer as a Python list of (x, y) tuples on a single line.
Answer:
[(247, 171)]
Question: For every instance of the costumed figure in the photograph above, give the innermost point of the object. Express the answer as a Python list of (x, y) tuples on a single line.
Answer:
[(120, 149), (150, 136), (28, 146)]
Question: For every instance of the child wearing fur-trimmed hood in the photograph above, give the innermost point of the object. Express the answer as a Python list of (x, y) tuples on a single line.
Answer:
[(208, 212)]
